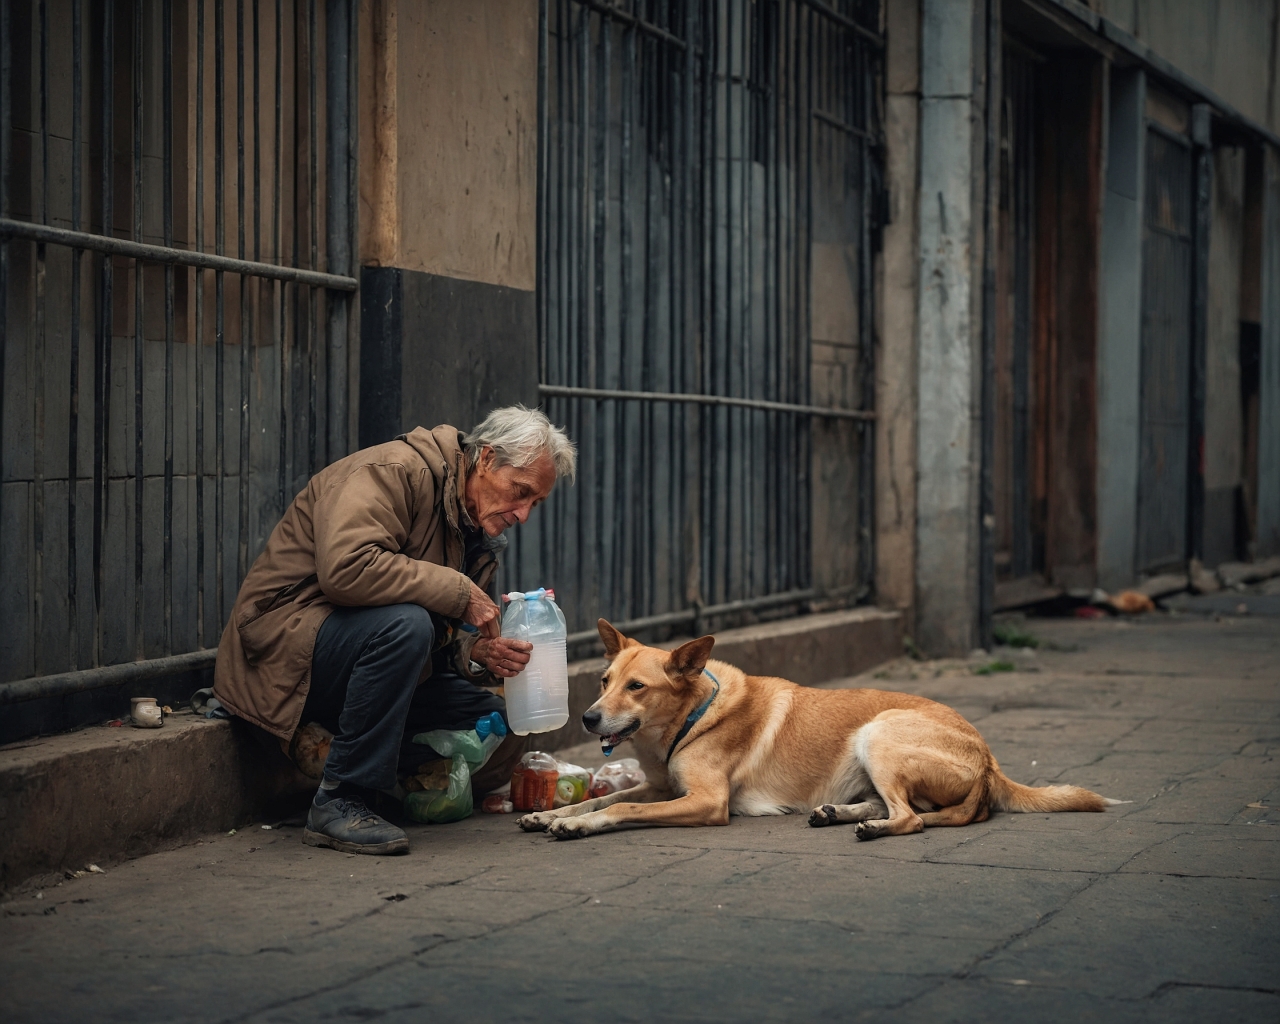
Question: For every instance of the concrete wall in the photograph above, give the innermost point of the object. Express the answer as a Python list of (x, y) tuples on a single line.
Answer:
[(896, 359), (451, 97), (1120, 329), (1268, 531), (948, 332), (448, 99), (1226, 45), (1223, 435)]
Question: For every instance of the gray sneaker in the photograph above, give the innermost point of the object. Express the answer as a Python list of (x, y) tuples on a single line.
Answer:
[(347, 825)]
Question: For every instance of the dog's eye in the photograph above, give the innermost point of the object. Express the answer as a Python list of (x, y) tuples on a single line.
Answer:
[(635, 686), (604, 681)]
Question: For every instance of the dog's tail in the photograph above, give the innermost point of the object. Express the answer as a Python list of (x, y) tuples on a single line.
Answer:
[(1007, 795)]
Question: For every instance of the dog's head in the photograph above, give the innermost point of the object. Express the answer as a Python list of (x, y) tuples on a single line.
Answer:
[(644, 687)]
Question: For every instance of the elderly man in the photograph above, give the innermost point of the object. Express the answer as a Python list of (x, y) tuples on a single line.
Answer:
[(367, 612)]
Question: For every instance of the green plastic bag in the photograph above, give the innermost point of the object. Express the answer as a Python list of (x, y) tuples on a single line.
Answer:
[(441, 806), (470, 750)]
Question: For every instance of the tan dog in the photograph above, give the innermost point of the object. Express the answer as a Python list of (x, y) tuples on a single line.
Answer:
[(714, 741)]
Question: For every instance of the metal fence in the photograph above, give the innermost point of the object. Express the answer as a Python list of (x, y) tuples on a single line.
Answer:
[(708, 210), (1168, 293), (175, 299)]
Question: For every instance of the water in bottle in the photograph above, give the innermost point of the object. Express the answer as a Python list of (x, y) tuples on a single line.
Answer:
[(538, 698)]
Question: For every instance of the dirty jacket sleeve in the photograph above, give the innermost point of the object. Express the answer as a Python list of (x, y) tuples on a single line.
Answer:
[(362, 522)]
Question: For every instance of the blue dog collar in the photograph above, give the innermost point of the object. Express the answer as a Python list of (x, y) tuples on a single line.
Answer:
[(694, 716)]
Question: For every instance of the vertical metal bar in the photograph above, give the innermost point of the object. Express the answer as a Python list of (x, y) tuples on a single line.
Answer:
[(581, 243), (599, 342), (673, 595), (257, 138), (557, 363), (102, 355), (37, 363), (1022, 173), (644, 527), (197, 351), (746, 417), (167, 85), (219, 310), (707, 415), (804, 554), (313, 295), (351, 146), (620, 602), (337, 222), (277, 215), (773, 386), (870, 184), (540, 269), (688, 504), (1202, 215), (542, 299), (139, 341), (991, 143), (73, 425), (5, 153), (246, 316)]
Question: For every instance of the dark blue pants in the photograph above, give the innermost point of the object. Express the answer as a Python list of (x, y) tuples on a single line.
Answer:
[(363, 674)]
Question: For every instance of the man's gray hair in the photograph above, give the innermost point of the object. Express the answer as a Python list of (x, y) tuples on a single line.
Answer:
[(519, 437)]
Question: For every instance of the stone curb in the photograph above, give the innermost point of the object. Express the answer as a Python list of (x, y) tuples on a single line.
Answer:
[(103, 794)]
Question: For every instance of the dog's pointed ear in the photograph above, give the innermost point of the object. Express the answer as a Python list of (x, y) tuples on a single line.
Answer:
[(687, 660), (613, 640)]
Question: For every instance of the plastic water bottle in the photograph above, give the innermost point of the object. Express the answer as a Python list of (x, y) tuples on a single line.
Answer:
[(538, 698)]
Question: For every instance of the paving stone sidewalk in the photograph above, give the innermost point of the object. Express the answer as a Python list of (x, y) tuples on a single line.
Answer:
[(1167, 908)]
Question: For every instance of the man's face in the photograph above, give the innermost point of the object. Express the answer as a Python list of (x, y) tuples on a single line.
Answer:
[(501, 496)]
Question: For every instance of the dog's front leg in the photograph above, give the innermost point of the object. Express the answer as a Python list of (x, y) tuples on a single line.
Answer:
[(646, 792), (702, 806)]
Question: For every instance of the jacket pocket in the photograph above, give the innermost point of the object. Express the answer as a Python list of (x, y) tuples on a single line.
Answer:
[(262, 627)]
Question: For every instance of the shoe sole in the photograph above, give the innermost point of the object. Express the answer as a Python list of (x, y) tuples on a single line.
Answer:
[(312, 838)]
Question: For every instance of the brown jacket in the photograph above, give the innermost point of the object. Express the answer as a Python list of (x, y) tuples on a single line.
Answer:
[(378, 527)]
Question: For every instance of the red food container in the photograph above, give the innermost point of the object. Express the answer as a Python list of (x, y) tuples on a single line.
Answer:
[(533, 789)]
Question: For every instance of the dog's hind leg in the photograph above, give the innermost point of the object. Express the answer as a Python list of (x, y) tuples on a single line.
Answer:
[(845, 814), (976, 807), (901, 820)]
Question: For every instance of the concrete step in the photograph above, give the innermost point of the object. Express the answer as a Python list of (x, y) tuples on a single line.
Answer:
[(104, 794)]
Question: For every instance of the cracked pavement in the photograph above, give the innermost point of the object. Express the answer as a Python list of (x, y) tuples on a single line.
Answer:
[(1167, 908)]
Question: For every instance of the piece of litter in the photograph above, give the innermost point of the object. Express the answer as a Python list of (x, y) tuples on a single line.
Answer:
[(1258, 804), (115, 723), (1033, 764), (167, 710), (39, 895), (232, 832), (93, 869), (267, 828)]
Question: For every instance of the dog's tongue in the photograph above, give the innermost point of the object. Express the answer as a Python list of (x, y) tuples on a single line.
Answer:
[(607, 743)]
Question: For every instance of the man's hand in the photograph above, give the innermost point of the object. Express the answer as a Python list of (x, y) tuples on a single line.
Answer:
[(482, 613), (501, 655)]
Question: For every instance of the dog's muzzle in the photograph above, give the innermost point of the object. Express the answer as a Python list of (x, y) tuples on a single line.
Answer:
[(593, 720)]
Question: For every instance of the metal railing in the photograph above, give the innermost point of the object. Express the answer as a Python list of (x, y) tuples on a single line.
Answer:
[(708, 210), (163, 398)]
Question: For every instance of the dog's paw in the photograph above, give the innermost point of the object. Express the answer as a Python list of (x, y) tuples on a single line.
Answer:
[(569, 828), (866, 830), (536, 822), (824, 815)]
